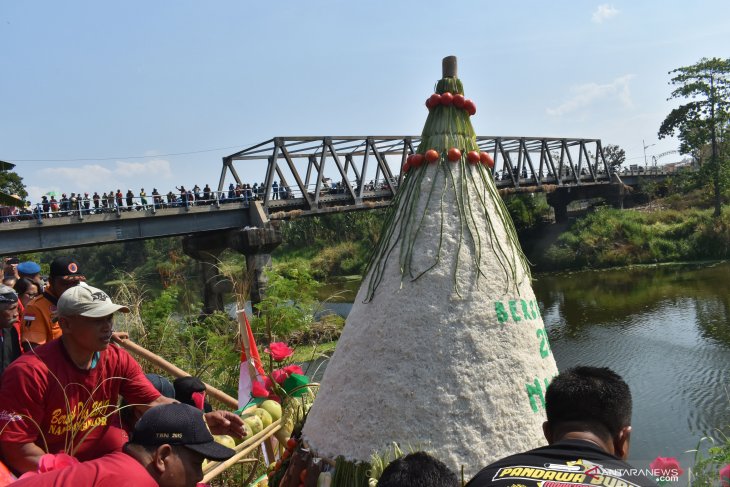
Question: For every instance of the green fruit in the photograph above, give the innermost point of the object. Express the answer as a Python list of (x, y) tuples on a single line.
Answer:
[(225, 440), (254, 422), (265, 417), (249, 433), (273, 407)]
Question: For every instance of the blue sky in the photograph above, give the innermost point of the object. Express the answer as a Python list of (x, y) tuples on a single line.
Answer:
[(107, 81)]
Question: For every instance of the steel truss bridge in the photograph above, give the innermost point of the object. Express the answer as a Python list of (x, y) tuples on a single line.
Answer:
[(367, 169), (310, 176)]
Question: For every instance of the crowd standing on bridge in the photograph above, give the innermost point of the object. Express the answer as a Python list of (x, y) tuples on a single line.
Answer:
[(117, 201)]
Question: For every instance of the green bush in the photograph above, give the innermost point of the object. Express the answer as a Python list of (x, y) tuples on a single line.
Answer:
[(707, 465), (609, 237), (341, 259), (527, 209), (289, 302)]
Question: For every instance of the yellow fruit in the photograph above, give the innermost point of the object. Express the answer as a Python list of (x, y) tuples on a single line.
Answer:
[(265, 416), (273, 408), (254, 422), (225, 440), (284, 433), (249, 434)]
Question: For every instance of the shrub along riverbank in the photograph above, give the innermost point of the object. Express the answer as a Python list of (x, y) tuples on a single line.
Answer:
[(608, 238), (672, 229)]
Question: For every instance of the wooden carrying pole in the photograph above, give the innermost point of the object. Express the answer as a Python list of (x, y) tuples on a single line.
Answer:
[(171, 369), (214, 469), (246, 447)]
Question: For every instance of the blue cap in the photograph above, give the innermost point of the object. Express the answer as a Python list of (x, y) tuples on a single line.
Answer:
[(28, 268)]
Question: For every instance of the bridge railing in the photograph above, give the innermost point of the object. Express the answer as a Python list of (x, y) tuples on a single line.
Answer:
[(641, 170), (78, 208), (81, 207), (329, 187)]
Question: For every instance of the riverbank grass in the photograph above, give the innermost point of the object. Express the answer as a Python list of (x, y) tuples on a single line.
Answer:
[(307, 353), (610, 237)]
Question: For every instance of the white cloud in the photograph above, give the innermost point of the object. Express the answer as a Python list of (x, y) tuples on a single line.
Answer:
[(95, 177), (588, 93), (84, 176), (155, 167), (604, 12)]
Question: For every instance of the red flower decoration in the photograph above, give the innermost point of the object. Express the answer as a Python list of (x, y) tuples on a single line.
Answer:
[(279, 376), (268, 384), (293, 369), (725, 475), (259, 390), (279, 351), (666, 467)]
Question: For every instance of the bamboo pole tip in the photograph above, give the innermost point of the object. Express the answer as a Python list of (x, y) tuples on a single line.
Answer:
[(448, 67)]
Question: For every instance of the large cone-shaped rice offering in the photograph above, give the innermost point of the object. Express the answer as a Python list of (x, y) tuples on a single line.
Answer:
[(444, 349)]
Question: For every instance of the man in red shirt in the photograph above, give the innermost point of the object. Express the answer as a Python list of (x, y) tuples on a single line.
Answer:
[(167, 449), (63, 396)]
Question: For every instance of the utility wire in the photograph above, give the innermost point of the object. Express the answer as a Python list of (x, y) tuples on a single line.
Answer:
[(131, 157)]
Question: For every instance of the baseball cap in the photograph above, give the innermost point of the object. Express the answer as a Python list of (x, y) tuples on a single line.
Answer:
[(162, 384), (7, 295), (29, 268), (12, 260), (191, 390), (178, 424), (65, 267), (87, 301)]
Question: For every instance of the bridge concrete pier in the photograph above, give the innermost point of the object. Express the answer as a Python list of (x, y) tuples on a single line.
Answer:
[(255, 243), (206, 249), (561, 197)]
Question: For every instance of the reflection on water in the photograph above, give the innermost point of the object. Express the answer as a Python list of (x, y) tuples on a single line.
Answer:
[(665, 329)]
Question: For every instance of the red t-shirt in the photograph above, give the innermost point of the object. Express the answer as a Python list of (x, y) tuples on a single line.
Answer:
[(76, 410), (113, 470)]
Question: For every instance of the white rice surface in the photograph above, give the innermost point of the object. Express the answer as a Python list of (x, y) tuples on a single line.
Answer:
[(424, 367)]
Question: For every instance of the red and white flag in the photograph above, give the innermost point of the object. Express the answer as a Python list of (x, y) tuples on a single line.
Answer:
[(251, 368)]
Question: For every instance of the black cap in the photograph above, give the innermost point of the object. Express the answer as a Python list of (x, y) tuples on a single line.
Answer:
[(7, 295), (65, 266), (178, 424), (162, 384), (185, 386), (12, 260), (184, 389)]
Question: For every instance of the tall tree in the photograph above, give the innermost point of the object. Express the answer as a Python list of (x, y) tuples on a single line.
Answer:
[(615, 156), (704, 119), (10, 184)]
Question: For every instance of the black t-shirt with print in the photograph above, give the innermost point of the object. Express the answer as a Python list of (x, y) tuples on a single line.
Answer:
[(569, 463)]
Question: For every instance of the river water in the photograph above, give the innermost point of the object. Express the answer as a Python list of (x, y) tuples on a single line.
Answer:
[(665, 329)]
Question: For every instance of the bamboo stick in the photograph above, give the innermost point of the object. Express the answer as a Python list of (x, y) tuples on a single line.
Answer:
[(247, 442), (160, 362), (214, 469)]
